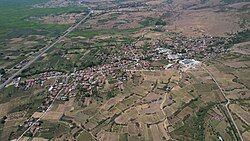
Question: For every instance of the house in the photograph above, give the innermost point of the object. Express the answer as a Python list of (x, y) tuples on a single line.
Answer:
[(189, 63), (173, 56)]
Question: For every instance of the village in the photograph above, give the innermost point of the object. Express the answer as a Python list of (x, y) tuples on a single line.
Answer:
[(125, 71), (180, 54)]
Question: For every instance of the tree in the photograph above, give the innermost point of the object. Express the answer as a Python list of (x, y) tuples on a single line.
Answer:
[(2, 71), (160, 22), (110, 94), (2, 121)]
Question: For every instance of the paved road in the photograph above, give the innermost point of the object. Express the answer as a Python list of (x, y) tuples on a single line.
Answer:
[(228, 102), (70, 29)]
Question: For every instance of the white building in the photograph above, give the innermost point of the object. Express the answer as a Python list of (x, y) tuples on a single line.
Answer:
[(189, 63)]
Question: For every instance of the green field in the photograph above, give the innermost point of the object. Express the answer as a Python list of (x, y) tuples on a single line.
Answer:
[(85, 136), (15, 14)]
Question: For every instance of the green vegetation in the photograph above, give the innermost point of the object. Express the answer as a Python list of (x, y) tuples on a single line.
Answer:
[(11, 92), (123, 137), (242, 36), (244, 23), (19, 24), (146, 47), (160, 22), (2, 122), (169, 1), (91, 33), (16, 20), (204, 1), (149, 21), (49, 130), (85, 136), (164, 61), (194, 126), (2, 71), (205, 87), (111, 94), (112, 16), (106, 97), (30, 107)]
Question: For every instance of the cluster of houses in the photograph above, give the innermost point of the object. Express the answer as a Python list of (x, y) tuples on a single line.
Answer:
[(98, 76), (181, 51), (31, 122), (40, 79), (205, 46)]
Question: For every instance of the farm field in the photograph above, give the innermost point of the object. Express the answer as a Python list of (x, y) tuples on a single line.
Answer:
[(124, 70)]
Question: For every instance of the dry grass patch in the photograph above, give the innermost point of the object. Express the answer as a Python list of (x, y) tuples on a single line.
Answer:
[(120, 20), (122, 119), (37, 114), (242, 48), (157, 136), (225, 80), (4, 108), (240, 112), (39, 139), (111, 102), (197, 23), (25, 139), (53, 116), (246, 136)]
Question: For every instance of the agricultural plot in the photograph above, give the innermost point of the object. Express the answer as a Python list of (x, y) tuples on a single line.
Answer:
[(23, 35), (126, 113), (235, 87), (142, 70)]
